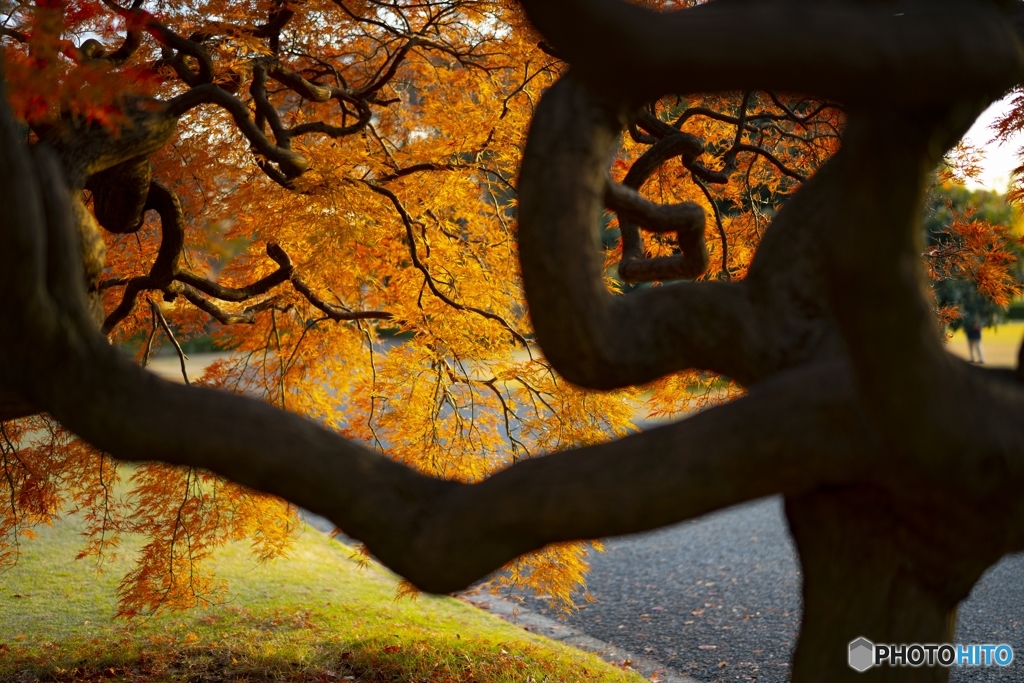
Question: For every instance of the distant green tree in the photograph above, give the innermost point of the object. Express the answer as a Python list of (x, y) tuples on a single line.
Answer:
[(975, 259)]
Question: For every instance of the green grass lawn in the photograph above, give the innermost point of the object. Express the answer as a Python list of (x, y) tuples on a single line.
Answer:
[(314, 616), (1001, 343)]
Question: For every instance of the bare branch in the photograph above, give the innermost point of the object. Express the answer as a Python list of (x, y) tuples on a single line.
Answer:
[(308, 90), (686, 219), (132, 41), (441, 535), (718, 224), (334, 312), (389, 74), (629, 204), (276, 22), (365, 115), (192, 47), (291, 163), (246, 317), (760, 151), (420, 168), (11, 33), (807, 118), (265, 111), (168, 277), (172, 232), (906, 368), (159, 316), (133, 288), (235, 294), (427, 277)]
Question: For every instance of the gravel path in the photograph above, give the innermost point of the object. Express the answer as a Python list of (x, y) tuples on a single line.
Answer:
[(719, 599)]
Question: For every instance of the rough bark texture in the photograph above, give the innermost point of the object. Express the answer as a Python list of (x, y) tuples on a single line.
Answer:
[(859, 578), (902, 467)]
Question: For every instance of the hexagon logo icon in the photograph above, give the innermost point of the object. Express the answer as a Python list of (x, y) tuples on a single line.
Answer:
[(862, 655)]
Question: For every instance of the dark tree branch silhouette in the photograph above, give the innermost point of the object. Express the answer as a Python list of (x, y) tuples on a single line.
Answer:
[(902, 467)]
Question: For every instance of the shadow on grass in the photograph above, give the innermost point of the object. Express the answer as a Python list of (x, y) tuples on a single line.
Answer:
[(314, 615), (286, 652)]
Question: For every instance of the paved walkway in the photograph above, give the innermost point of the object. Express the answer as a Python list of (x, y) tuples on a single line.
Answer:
[(557, 629), (718, 599)]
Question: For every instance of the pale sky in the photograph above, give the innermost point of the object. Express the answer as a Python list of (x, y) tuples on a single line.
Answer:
[(1000, 159)]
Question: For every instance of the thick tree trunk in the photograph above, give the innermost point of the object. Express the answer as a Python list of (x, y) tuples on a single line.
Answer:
[(867, 574), (13, 405)]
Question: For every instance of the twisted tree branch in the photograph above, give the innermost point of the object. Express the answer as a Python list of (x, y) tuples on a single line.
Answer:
[(593, 338)]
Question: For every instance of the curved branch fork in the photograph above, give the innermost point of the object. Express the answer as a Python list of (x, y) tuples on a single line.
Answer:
[(593, 338), (685, 219)]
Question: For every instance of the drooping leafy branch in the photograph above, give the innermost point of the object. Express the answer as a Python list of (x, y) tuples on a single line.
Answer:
[(340, 106)]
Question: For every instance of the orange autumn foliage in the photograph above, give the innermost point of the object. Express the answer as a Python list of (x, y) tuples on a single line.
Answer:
[(460, 399), (402, 324), (979, 250)]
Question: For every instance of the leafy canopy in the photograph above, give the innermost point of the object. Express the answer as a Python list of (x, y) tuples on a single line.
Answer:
[(329, 191)]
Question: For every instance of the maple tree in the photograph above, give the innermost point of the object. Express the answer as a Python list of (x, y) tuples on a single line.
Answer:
[(423, 244), (380, 201)]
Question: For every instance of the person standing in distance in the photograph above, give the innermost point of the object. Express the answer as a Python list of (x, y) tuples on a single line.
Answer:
[(974, 350)]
